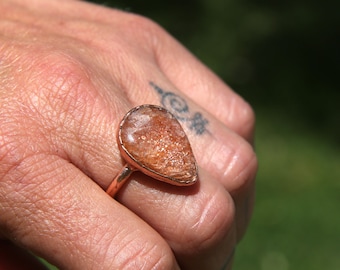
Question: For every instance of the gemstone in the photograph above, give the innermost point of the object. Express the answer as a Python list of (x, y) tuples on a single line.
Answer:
[(152, 140)]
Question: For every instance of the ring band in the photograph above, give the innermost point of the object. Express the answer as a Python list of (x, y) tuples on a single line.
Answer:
[(151, 140), (119, 180)]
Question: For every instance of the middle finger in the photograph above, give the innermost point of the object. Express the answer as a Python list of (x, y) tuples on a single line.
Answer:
[(228, 158)]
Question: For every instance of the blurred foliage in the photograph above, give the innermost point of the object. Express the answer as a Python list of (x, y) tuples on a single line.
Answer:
[(283, 57)]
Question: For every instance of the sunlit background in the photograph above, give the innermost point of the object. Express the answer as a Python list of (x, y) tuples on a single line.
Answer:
[(283, 57)]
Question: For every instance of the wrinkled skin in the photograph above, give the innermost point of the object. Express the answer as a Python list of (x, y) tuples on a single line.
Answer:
[(69, 71)]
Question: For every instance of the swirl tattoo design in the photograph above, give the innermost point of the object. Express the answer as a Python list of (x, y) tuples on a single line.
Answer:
[(180, 109)]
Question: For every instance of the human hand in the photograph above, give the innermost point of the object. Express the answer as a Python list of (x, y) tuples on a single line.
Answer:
[(69, 72)]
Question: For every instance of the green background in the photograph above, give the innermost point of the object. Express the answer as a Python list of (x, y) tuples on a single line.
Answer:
[(283, 57)]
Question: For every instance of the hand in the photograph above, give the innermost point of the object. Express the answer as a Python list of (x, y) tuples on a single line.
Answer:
[(69, 71)]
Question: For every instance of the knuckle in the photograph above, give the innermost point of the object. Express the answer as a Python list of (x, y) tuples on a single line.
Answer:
[(243, 116), (146, 261), (247, 116), (143, 24), (139, 255), (44, 88), (238, 167), (44, 77), (149, 34), (42, 91), (214, 221), (241, 168), (60, 80), (232, 161)]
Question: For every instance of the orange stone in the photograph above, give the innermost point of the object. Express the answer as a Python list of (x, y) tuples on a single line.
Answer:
[(153, 141)]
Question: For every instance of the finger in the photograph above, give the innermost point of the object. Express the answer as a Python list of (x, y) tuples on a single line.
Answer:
[(229, 158), (15, 258), (218, 150), (185, 72), (201, 85), (197, 222), (233, 163), (54, 210), (237, 153)]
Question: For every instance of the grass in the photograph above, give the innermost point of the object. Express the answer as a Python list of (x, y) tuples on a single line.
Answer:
[(296, 220)]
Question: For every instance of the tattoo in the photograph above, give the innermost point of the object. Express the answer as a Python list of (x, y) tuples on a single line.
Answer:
[(180, 109)]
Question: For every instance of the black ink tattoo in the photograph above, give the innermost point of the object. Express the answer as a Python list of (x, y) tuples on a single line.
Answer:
[(180, 109)]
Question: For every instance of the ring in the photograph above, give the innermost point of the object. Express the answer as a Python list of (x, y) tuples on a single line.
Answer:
[(151, 140)]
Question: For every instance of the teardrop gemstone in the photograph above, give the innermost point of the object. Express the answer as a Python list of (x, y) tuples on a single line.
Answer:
[(152, 140)]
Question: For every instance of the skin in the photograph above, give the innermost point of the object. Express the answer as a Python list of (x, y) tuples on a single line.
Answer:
[(69, 71)]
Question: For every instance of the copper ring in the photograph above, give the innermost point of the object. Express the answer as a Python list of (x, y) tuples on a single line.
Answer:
[(151, 140)]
